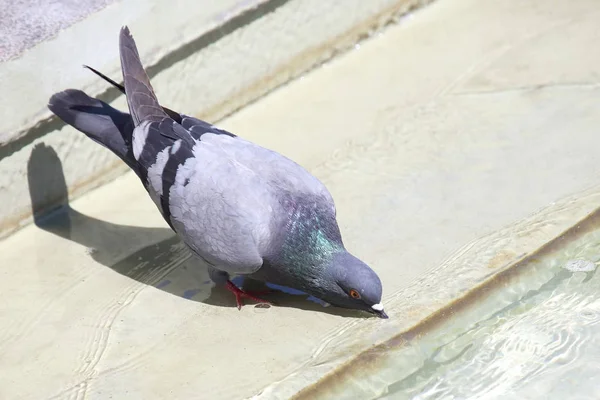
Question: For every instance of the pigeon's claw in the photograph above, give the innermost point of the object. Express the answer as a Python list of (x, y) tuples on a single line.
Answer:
[(239, 294)]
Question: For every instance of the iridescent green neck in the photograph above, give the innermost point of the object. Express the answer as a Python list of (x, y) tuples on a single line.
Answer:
[(312, 239)]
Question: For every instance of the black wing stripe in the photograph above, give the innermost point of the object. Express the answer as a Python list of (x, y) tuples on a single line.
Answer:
[(177, 158)]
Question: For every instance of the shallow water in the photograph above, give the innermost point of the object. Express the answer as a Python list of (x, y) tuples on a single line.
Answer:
[(537, 338)]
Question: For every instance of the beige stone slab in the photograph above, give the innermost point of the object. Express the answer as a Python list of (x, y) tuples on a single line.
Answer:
[(454, 144)]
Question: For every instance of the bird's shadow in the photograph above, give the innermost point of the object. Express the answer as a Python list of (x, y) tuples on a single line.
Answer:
[(152, 256)]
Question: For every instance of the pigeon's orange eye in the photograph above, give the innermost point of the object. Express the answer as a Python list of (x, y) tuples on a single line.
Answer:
[(354, 294)]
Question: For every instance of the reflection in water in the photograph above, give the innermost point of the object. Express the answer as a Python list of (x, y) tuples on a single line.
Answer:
[(152, 256), (542, 340)]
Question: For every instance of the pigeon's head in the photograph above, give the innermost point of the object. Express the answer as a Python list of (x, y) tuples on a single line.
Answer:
[(353, 284)]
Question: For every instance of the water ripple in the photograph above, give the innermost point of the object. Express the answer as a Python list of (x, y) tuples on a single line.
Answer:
[(528, 347)]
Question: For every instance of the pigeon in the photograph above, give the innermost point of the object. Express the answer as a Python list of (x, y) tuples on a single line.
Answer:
[(242, 209)]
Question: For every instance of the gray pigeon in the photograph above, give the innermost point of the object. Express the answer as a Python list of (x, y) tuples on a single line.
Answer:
[(241, 208)]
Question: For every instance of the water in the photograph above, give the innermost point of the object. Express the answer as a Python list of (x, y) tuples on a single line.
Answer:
[(535, 334), (538, 337)]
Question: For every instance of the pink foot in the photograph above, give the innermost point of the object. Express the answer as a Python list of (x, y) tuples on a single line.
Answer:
[(239, 294)]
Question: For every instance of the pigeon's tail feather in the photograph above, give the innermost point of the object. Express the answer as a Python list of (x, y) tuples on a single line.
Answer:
[(99, 121), (174, 115), (106, 78), (143, 104)]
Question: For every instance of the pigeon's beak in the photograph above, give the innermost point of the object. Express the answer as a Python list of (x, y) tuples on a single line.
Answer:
[(377, 309)]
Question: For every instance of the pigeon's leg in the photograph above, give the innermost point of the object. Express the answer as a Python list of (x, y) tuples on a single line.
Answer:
[(222, 278), (239, 294)]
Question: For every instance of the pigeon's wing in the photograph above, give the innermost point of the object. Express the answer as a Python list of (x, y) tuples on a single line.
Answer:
[(160, 149), (156, 133), (226, 199), (219, 209), (223, 195)]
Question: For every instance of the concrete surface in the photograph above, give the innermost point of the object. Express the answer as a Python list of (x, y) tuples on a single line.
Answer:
[(208, 58), (454, 144), (25, 23)]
